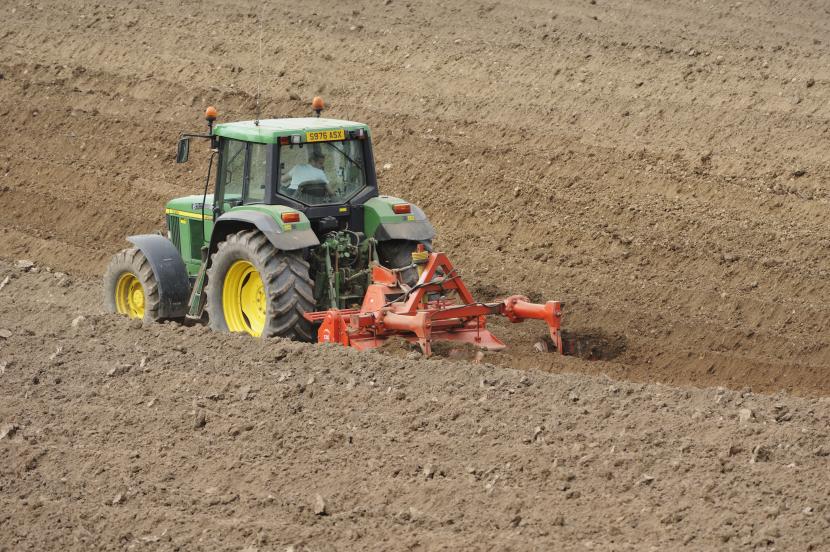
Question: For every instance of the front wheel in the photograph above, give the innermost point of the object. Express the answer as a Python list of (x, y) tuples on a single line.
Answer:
[(130, 287), (253, 287)]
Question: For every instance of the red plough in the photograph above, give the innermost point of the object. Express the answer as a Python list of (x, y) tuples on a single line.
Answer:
[(438, 307)]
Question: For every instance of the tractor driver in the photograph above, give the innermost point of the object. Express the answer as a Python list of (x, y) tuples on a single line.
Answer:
[(313, 171)]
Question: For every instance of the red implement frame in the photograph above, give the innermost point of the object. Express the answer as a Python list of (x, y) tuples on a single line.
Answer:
[(428, 311)]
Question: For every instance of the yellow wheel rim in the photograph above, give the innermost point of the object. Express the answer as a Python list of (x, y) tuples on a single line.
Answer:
[(129, 296), (243, 299)]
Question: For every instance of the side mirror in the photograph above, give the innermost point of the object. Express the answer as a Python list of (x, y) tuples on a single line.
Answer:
[(183, 149)]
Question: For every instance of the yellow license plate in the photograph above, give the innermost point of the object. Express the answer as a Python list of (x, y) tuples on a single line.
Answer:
[(325, 135)]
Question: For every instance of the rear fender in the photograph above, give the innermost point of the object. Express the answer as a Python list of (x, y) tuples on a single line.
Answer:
[(383, 224), (284, 236), (170, 272)]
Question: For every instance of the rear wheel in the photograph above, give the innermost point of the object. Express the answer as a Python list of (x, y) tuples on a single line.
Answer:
[(398, 254), (130, 287), (255, 288)]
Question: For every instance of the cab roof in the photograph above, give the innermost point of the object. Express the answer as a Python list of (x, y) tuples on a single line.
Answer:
[(268, 131)]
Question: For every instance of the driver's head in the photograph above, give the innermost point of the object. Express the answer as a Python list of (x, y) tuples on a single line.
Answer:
[(317, 159)]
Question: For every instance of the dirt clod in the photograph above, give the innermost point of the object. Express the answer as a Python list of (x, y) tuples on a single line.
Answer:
[(320, 507), (244, 392), (200, 421), (118, 370), (8, 430), (760, 453)]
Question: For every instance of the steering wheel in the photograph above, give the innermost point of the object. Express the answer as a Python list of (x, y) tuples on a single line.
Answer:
[(317, 188)]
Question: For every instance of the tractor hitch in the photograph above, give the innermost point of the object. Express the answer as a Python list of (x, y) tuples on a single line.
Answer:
[(438, 307)]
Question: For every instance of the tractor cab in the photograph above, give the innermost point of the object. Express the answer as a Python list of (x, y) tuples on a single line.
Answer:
[(295, 179), (321, 167)]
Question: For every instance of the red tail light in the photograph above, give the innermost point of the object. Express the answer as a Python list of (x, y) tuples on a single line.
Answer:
[(293, 216), (401, 208)]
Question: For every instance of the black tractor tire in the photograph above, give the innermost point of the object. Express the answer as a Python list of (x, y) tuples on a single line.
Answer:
[(398, 254), (128, 281), (288, 289)]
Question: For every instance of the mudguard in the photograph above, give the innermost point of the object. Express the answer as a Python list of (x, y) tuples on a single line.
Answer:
[(418, 230), (170, 273), (285, 237), (383, 223)]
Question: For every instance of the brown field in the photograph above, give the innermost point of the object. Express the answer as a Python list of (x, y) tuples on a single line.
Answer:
[(661, 167)]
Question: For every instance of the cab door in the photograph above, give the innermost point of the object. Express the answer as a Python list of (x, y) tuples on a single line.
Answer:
[(244, 175)]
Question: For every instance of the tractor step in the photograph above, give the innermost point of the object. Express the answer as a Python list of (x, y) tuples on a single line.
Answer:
[(438, 307), (196, 302)]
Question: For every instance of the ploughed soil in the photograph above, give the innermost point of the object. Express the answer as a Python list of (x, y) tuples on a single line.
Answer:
[(660, 167), (116, 435)]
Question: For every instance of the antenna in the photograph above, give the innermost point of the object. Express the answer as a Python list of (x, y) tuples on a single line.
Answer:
[(259, 75)]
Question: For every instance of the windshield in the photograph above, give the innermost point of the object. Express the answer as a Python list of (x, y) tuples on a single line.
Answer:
[(322, 173)]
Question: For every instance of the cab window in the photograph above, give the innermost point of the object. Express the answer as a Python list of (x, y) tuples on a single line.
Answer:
[(321, 173), (233, 169), (257, 173)]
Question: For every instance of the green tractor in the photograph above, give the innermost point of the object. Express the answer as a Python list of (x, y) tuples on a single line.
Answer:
[(295, 225)]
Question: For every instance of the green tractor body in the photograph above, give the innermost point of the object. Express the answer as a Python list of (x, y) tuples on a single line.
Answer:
[(294, 224)]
